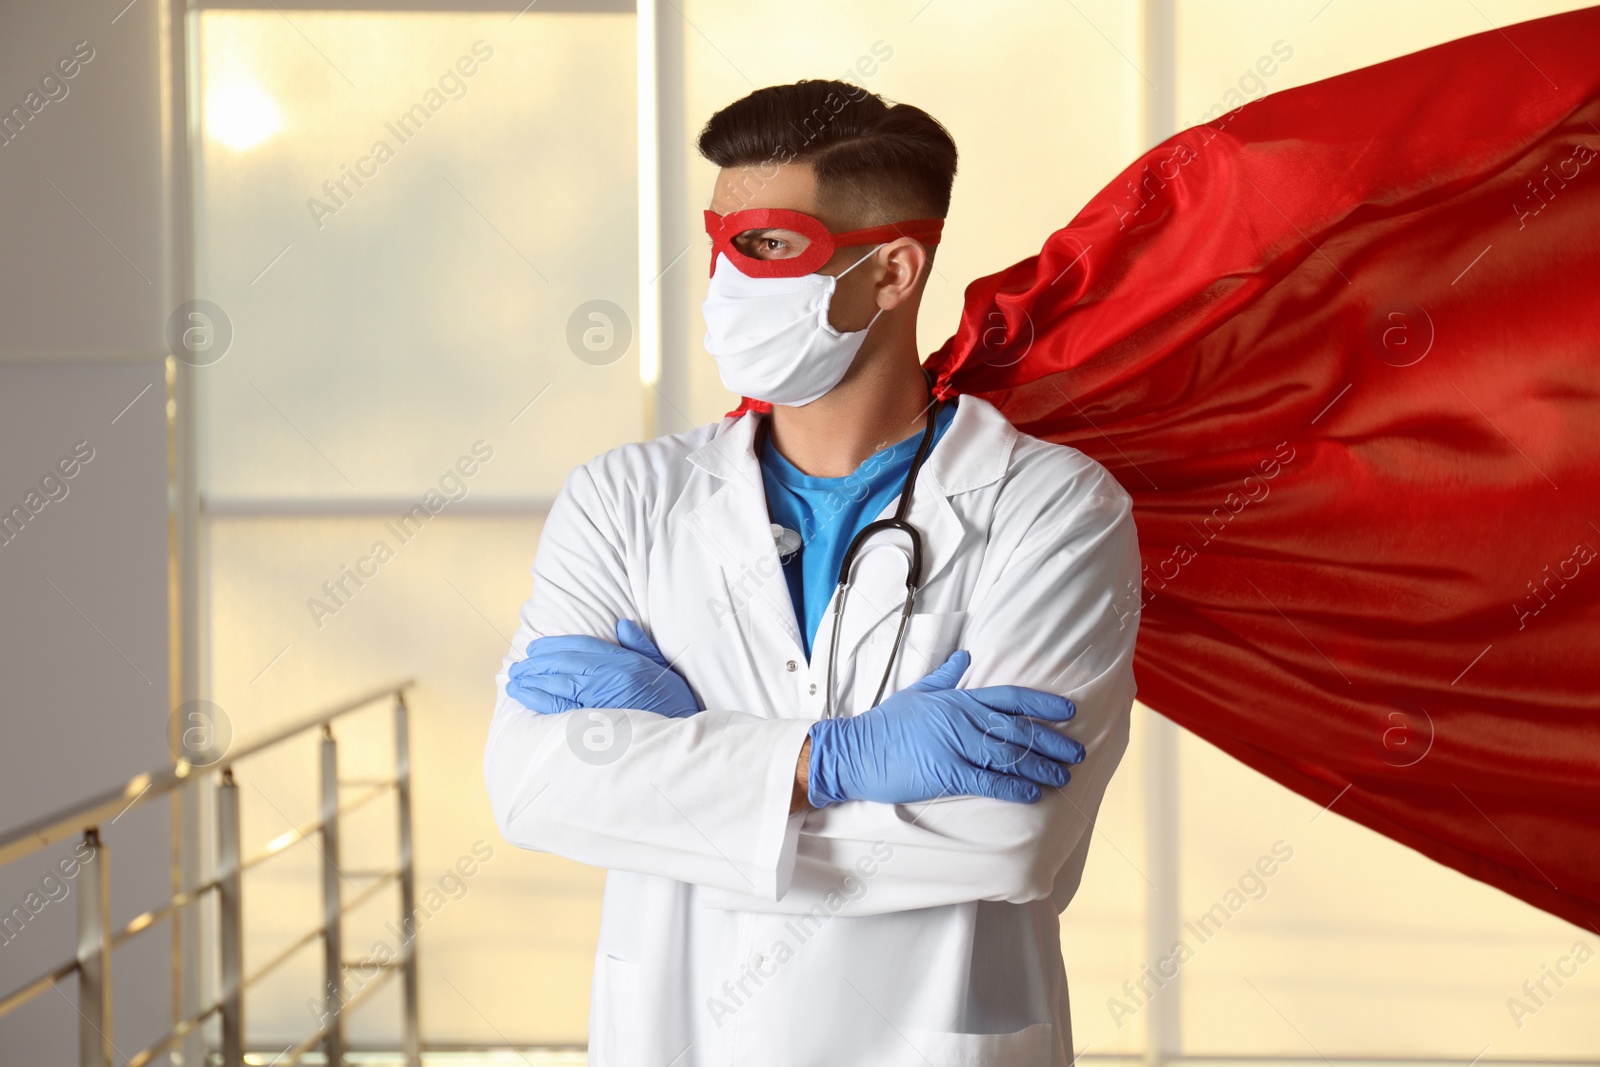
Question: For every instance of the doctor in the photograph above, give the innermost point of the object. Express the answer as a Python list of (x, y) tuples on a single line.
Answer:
[(832, 838)]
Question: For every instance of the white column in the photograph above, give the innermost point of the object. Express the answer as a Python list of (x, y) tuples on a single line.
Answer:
[(1163, 918), (663, 219), (179, 109), (649, 153)]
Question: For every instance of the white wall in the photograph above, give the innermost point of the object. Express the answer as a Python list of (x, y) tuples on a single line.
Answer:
[(83, 583)]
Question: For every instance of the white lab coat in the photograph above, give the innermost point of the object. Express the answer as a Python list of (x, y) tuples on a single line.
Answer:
[(732, 933)]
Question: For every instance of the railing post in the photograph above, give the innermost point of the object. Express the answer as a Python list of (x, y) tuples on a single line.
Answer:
[(94, 955), (408, 889), (190, 960), (230, 917), (332, 942)]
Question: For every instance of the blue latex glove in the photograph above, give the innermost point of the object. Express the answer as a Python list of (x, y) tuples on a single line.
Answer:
[(574, 671), (932, 740)]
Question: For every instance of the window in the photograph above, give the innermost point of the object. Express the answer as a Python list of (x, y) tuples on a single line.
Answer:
[(404, 217)]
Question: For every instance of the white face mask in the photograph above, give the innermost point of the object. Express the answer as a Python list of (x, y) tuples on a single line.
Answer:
[(771, 338)]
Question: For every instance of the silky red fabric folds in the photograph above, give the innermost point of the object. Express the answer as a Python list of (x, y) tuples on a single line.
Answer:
[(1342, 346)]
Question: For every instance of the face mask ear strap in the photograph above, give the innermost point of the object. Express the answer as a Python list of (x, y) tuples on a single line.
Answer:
[(852, 267), (860, 261)]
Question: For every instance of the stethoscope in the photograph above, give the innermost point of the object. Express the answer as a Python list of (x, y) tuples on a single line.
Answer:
[(913, 569)]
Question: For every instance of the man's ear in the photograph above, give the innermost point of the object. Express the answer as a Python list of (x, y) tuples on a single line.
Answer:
[(905, 266)]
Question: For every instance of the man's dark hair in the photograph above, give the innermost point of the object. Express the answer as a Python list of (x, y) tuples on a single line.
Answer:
[(876, 162)]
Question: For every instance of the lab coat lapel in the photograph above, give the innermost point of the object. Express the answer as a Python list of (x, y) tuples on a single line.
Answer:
[(733, 526)]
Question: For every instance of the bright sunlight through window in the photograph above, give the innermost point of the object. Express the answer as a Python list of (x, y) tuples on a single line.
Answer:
[(241, 115)]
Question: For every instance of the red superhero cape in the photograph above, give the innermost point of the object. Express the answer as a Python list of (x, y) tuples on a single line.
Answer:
[(1342, 346)]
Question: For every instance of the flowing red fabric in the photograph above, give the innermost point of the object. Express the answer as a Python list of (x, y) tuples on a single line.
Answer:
[(1342, 346)]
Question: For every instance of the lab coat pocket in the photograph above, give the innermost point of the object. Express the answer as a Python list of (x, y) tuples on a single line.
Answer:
[(614, 1036), (1030, 1045), (929, 639)]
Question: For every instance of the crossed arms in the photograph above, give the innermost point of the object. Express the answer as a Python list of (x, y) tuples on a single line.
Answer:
[(719, 797)]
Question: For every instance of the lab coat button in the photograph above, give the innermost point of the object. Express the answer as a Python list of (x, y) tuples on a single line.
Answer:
[(791, 666), (813, 689)]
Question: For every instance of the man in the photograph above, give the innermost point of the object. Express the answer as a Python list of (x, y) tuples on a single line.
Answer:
[(831, 839)]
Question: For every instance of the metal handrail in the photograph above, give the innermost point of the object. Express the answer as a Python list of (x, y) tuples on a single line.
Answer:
[(20, 996), (283, 841), (96, 939), (42, 833), (289, 950), (142, 788), (140, 923), (321, 718), (139, 1059)]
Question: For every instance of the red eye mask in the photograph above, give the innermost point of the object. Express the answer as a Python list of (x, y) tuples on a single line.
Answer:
[(820, 244)]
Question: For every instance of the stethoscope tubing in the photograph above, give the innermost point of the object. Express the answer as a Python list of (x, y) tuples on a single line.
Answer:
[(913, 569)]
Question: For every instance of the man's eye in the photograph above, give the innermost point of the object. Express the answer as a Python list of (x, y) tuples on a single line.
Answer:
[(770, 245), (763, 247)]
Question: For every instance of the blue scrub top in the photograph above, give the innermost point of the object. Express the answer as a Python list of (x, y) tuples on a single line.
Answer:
[(829, 512)]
